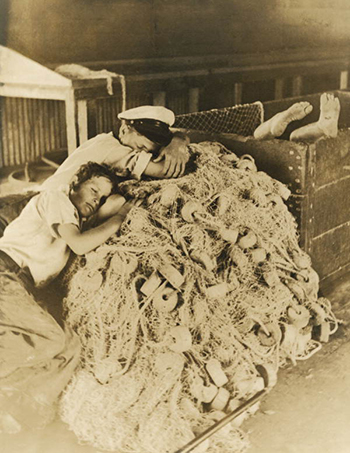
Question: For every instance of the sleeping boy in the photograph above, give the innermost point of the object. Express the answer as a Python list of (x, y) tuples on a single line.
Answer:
[(37, 356)]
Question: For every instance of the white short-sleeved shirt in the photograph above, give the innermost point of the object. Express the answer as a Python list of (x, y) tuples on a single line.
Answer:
[(104, 148), (32, 240)]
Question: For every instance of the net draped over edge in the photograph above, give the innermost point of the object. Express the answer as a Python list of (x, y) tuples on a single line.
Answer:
[(239, 119)]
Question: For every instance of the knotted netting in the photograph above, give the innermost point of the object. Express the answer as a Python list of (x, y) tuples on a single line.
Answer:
[(205, 284), (239, 119)]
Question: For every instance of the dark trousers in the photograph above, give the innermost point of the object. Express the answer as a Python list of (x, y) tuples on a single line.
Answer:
[(37, 356)]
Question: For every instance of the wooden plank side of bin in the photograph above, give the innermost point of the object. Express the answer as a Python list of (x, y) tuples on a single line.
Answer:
[(331, 206), (333, 159), (331, 252), (299, 205)]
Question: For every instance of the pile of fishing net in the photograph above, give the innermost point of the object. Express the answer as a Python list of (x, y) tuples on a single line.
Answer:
[(205, 286)]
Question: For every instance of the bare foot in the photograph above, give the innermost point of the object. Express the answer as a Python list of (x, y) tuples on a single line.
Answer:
[(276, 125), (326, 126)]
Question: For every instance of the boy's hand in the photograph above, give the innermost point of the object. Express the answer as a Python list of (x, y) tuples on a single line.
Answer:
[(175, 156)]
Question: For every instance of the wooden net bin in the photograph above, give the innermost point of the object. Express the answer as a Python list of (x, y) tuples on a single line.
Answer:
[(318, 176)]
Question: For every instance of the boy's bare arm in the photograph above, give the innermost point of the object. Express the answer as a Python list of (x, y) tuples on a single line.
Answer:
[(83, 242), (111, 207), (156, 170), (172, 158)]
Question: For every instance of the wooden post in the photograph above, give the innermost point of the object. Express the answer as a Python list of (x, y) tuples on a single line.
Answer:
[(279, 86), (82, 121), (343, 80), (159, 98), (238, 90), (70, 121), (297, 85), (193, 100)]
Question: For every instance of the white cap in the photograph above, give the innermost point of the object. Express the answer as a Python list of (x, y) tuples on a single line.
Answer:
[(150, 112)]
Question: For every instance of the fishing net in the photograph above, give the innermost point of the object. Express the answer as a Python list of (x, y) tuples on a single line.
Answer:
[(239, 119), (205, 286)]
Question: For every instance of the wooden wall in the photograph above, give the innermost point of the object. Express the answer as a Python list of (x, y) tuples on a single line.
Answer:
[(215, 53), (61, 31), (30, 128)]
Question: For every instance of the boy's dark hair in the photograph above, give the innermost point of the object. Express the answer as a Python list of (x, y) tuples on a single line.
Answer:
[(91, 169), (156, 131)]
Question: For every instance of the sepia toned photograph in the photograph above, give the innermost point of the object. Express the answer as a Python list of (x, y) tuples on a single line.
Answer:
[(174, 226)]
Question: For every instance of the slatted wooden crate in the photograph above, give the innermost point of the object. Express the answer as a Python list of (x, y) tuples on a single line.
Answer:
[(319, 177)]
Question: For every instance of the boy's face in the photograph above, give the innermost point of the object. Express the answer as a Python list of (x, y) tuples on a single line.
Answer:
[(88, 196), (128, 136)]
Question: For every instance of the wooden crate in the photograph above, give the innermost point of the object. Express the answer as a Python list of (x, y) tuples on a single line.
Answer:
[(318, 176)]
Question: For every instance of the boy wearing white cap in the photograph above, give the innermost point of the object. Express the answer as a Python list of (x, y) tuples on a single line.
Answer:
[(144, 132)]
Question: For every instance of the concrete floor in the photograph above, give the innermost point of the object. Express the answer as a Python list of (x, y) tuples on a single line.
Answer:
[(308, 411)]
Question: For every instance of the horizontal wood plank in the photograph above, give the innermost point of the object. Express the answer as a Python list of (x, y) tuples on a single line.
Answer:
[(331, 206), (331, 251), (333, 159)]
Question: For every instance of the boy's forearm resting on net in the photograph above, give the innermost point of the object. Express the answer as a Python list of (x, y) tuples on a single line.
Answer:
[(172, 159), (111, 207), (155, 170), (83, 242)]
